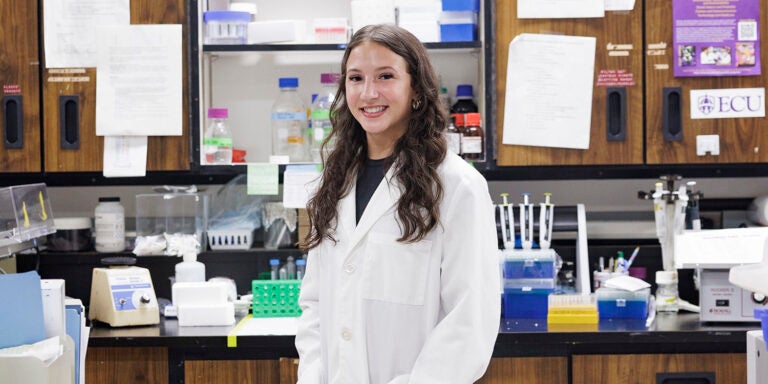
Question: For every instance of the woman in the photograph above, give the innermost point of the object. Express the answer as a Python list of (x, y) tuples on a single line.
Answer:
[(402, 279)]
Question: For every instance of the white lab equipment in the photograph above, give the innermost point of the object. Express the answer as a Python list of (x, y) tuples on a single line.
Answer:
[(546, 215), (506, 219), (757, 358), (526, 222), (190, 270), (758, 210), (123, 295), (203, 304)]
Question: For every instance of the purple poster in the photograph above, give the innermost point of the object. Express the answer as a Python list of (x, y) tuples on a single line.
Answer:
[(716, 37)]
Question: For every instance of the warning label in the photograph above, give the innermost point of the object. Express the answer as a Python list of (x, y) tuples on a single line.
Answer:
[(615, 78)]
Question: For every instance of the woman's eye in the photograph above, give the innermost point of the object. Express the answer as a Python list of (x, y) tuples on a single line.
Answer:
[(386, 76), (353, 78)]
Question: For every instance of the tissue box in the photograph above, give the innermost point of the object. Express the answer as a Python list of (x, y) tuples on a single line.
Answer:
[(277, 31), (202, 304)]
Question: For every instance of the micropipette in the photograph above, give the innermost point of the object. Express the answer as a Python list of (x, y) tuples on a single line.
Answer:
[(507, 220), (546, 215), (526, 222)]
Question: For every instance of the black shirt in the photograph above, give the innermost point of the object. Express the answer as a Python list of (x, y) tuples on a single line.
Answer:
[(367, 182)]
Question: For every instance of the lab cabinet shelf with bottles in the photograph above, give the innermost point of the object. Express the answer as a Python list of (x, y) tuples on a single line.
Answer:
[(244, 78)]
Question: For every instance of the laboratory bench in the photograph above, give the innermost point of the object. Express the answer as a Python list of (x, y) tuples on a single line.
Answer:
[(675, 345)]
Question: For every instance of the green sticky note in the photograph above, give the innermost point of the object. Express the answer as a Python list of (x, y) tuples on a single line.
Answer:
[(263, 179)]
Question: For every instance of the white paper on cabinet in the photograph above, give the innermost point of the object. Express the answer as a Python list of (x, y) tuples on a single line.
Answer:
[(125, 156), (548, 99), (619, 5), (139, 80), (69, 29), (560, 9)]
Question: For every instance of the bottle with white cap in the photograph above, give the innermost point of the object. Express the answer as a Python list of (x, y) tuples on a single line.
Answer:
[(666, 291), (190, 270)]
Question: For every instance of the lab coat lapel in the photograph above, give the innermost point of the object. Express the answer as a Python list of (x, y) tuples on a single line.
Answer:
[(385, 196)]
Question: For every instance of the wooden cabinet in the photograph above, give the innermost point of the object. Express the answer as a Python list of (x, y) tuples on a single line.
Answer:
[(126, 365), (72, 92), (526, 370), (20, 81), (728, 368), (231, 371), (619, 50), (742, 140)]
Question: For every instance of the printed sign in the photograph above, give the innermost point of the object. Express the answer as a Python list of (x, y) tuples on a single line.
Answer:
[(727, 103), (716, 37)]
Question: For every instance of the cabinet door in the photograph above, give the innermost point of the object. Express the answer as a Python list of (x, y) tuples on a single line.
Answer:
[(231, 371), (728, 368), (124, 365), (526, 370), (740, 139), (19, 77), (74, 92), (618, 58), (289, 370)]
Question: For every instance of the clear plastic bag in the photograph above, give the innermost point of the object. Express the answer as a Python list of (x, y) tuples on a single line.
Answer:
[(233, 208)]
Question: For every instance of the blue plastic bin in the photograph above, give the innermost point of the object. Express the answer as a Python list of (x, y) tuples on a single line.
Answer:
[(620, 304), (526, 303), (458, 32), (461, 5), (762, 315)]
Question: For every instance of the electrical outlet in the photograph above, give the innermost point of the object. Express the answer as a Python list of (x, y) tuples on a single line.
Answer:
[(707, 144)]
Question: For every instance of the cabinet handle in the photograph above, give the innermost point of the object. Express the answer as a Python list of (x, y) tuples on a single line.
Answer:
[(685, 378), (616, 114), (69, 121), (672, 125), (13, 123)]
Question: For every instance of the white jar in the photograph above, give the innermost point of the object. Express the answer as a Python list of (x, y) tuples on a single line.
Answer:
[(190, 270), (667, 299), (109, 225)]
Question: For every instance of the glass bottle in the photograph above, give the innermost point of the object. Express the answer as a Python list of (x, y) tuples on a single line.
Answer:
[(109, 225), (464, 102), (472, 138), (453, 137), (217, 144), (289, 122), (320, 116)]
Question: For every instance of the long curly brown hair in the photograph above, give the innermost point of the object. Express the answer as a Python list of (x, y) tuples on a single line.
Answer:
[(416, 155)]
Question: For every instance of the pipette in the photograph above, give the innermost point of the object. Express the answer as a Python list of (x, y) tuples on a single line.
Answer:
[(681, 204), (546, 214), (507, 220), (526, 222)]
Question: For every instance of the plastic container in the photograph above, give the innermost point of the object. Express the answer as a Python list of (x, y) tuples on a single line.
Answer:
[(280, 226), (230, 239), (548, 283), (226, 27), (525, 303), (445, 98), (217, 144), (762, 315), (320, 114), (109, 224), (529, 265), (276, 298), (301, 268), (618, 303), (572, 309), (289, 122), (666, 291), (72, 234), (172, 214), (190, 270), (25, 213), (274, 269), (290, 267)]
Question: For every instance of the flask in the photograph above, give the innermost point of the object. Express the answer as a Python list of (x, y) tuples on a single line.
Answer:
[(472, 138), (666, 291), (464, 102), (109, 224), (453, 137), (301, 265), (289, 122), (445, 98), (290, 268), (190, 270), (274, 265), (320, 115), (217, 144)]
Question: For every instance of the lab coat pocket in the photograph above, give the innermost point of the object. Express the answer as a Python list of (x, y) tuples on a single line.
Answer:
[(395, 272)]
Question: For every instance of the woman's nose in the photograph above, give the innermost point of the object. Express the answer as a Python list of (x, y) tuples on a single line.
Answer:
[(369, 90)]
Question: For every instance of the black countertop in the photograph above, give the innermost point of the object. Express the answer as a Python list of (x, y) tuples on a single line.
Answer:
[(670, 333)]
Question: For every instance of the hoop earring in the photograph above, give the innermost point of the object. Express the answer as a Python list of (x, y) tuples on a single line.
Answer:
[(415, 104)]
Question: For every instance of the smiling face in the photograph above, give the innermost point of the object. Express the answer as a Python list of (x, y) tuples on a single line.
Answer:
[(379, 95)]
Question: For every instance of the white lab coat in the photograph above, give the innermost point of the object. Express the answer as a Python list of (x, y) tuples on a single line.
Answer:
[(378, 311)]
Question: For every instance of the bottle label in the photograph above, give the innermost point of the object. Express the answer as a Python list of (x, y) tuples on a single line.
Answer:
[(454, 142), (220, 142), (321, 114), (295, 139), (471, 144), (289, 116)]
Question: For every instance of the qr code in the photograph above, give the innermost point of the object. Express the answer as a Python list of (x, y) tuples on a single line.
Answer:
[(748, 30)]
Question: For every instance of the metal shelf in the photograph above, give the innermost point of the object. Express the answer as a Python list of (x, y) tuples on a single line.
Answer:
[(320, 47)]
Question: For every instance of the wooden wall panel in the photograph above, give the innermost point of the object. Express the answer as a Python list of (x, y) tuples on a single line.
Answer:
[(126, 365), (289, 370), (617, 28), (164, 153), (729, 368), (19, 74), (231, 371), (743, 140), (526, 370)]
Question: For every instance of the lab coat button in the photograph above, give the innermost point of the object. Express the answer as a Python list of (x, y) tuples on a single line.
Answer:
[(349, 268), (346, 334)]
